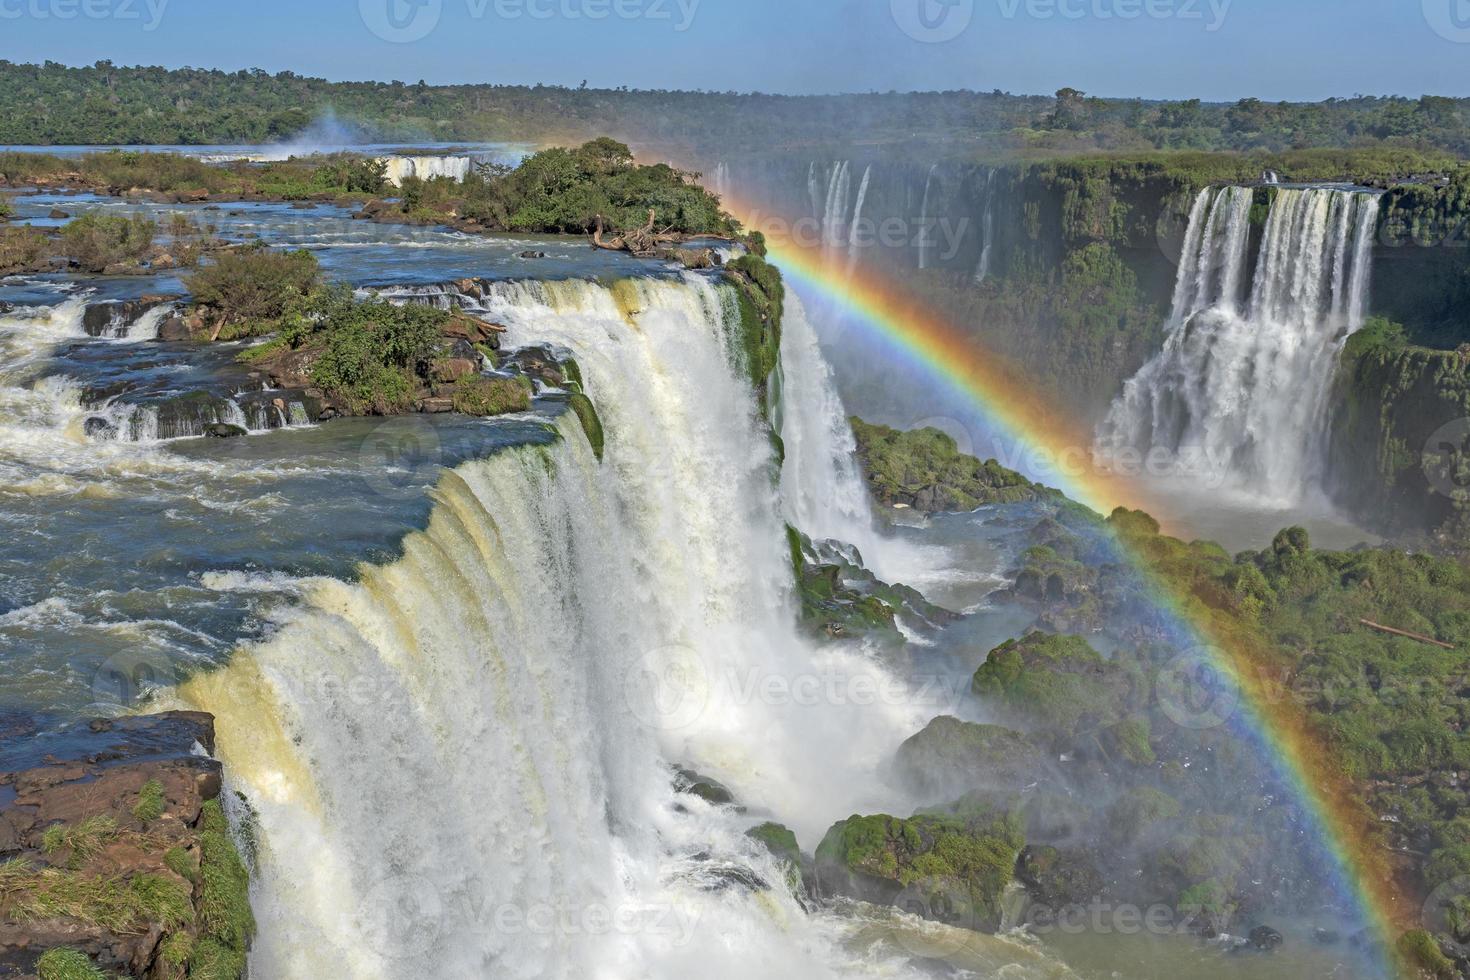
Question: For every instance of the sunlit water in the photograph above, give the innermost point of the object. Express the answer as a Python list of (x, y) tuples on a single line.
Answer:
[(419, 633)]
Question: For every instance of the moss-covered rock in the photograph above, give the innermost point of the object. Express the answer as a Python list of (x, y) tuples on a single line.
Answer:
[(951, 756), (591, 423), (761, 295), (492, 396), (1059, 683), (961, 865), (924, 469)]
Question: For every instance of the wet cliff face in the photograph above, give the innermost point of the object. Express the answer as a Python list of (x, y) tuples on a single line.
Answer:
[(1400, 436)]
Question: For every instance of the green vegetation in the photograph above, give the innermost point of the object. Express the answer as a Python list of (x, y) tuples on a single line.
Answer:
[(492, 396), (1057, 681), (962, 863), (591, 423), (761, 294), (81, 841), (67, 964), (564, 190), (107, 103), (98, 242), (1421, 952), (225, 920), (247, 293), (925, 469), (150, 802), (777, 839)]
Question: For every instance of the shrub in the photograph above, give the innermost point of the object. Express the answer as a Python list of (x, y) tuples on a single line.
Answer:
[(150, 802), (97, 241), (21, 248), (252, 289), (373, 349)]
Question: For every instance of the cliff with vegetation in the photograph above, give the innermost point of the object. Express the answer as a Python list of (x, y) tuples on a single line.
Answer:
[(1400, 450), (116, 854)]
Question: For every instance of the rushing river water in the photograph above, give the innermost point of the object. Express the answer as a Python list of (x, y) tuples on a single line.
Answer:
[(426, 639)]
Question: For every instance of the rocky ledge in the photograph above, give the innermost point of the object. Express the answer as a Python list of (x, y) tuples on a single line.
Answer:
[(116, 858)]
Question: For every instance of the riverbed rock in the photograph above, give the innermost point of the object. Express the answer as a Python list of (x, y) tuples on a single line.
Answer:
[(1266, 939), (223, 430), (950, 757), (56, 214), (111, 832)]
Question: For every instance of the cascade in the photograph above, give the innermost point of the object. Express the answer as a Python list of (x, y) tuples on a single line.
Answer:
[(481, 732), (1238, 396)]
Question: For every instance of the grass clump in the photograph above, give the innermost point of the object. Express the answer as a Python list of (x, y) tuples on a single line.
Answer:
[(177, 860), (83, 841), (64, 963), (150, 802)]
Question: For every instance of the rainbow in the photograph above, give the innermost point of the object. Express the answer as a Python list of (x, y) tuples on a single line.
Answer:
[(900, 325)]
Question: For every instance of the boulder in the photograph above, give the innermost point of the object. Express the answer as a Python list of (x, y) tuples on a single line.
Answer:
[(1266, 939), (223, 430), (950, 757), (689, 782), (451, 369), (436, 406), (174, 329), (1058, 879), (56, 214), (532, 255), (99, 428)]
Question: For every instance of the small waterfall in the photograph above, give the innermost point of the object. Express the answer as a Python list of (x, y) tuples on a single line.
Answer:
[(1239, 393), (722, 180), (461, 757), (854, 237), (987, 230), (925, 234), (456, 168)]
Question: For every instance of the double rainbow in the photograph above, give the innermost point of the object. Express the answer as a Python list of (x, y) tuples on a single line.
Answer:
[(901, 326)]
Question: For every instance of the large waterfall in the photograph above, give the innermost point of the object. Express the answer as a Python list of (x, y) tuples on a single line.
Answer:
[(1238, 396), (460, 762)]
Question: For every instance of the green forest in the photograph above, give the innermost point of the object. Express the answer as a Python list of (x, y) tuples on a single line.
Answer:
[(106, 103)]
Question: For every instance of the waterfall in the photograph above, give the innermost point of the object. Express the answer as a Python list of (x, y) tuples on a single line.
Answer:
[(925, 235), (987, 230), (460, 760), (1239, 394), (854, 237), (456, 168)]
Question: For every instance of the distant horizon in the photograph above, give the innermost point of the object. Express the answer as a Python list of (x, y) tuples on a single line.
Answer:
[(834, 94), (1219, 51)]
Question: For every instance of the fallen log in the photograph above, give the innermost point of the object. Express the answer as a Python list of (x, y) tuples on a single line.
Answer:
[(1419, 637)]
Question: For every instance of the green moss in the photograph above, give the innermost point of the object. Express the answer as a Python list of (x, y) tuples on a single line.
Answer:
[(492, 396), (1057, 681), (1420, 952), (67, 964), (176, 950), (760, 295), (150, 802), (925, 469), (973, 855), (591, 423), (224, 902), (777, 839)]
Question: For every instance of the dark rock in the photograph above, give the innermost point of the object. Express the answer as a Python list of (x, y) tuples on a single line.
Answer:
[(223, 430), (57, 214), (540, 363), (1265, 938), (1059, 879), (174, 329), (99, 428), (436, 406), (709, 790), (951, 757), (533, 255), (450, 370)]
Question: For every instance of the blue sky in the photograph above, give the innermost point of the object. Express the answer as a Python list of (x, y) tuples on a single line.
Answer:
[(1211, 49)]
